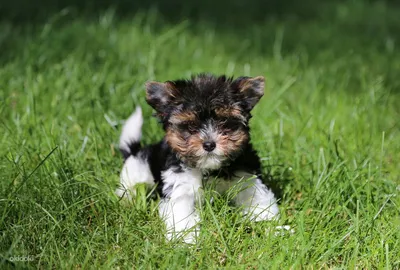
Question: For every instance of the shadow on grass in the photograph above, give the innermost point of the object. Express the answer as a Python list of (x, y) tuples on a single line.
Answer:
[(306, 21), (337, 28), (220, 11), (340, 25)]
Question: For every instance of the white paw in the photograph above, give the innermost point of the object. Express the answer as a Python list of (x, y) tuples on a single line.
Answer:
[(281, 230), (262, 213), (187, 237), (124, 193), (190, 238)]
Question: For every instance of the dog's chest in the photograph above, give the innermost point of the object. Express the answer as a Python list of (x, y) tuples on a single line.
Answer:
[(223, 180)]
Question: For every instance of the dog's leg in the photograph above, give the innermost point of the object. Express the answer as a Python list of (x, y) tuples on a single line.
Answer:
[(181, 191), (135, 171), (256, 200)]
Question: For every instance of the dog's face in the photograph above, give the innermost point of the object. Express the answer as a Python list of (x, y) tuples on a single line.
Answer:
[(206, 118)]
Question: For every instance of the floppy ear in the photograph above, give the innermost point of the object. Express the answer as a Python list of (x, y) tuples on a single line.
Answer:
[(250, 90), (159, 95)]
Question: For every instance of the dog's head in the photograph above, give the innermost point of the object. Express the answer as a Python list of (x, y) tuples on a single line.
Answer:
[(206, 118)]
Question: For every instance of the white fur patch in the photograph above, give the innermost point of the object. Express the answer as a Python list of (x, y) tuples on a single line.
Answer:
[(257, 200), (178, 208), (209, 132), (134, 171), (210, 162), (132, 130)]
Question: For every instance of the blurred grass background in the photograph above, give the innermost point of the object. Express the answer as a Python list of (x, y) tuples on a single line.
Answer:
[(327, 129)]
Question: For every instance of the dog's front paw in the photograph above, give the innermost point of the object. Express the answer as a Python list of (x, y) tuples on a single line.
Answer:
[(186, 236), (262, 213)]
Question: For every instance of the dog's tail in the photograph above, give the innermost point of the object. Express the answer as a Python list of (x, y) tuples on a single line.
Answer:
[(129, 142)]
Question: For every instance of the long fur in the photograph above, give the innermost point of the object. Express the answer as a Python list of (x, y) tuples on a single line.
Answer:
[(206, 134)]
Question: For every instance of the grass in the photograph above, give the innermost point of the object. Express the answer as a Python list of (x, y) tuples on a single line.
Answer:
[(327, 131)]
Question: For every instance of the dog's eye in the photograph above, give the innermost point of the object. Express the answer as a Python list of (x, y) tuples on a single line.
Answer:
[(189, 126), (229, 126), (192, 129)]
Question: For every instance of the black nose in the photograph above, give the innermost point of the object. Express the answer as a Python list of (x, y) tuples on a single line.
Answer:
[(209, 146)]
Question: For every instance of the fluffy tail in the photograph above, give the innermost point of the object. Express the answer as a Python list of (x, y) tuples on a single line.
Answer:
[(129, 142)]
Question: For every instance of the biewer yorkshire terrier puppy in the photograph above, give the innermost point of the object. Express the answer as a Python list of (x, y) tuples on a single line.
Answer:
[(206, 123)]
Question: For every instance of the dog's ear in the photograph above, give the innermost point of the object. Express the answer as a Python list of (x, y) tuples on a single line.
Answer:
[(160, 95), (249, 89)]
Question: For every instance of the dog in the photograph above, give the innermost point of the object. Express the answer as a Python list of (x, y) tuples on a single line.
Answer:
[(207, 134)]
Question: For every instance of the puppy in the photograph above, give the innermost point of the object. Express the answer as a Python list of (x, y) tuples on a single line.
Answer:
[(206, 123)]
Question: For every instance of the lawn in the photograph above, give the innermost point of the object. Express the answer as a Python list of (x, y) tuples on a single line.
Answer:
[(327, 131)]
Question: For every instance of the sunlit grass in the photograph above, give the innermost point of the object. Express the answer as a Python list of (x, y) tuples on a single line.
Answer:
[(327, 131)]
